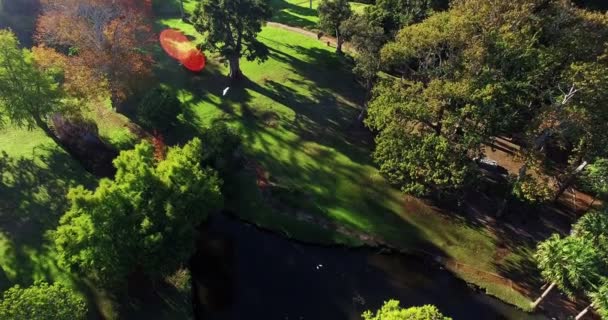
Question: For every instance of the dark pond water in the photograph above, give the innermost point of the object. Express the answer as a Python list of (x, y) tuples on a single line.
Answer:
[(241, 272)]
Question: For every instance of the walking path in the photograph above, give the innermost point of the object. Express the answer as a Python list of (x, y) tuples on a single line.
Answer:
[(331, 41)]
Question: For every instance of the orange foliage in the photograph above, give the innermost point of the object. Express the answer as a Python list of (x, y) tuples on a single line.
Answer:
[(79, 80), (108, 37)]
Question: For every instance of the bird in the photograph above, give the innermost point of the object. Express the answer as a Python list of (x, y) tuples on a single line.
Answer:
[(225, 91)]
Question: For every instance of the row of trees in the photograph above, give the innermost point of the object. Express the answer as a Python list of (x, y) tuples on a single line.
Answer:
[(579, 262), (532, 70)]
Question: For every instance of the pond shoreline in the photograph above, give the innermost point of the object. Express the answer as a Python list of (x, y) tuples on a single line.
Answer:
[(432, 260)]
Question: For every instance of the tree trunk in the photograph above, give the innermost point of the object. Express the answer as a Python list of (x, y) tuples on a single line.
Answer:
[(543, 296), (235, 69), (568, 182), (181, 8), (584, 312), (45, 127), (338, 42), (311, 4)]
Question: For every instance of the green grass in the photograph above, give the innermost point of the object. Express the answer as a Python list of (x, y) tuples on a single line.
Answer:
[(295, 113), (299, 13)]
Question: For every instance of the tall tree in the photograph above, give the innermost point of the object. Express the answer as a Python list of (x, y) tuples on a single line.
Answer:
[(145, 219), (367, 38), (332, 13), (42, 301), (109, 38), (231, 27), (28, 95), (392, 311)]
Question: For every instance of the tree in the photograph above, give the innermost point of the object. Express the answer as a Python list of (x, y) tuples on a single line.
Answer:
[(367, 38), (570, 263), (144, 220), (391, 311), (595, 179), (332, 13), (42, 301), (28, 95), (599, 299), (110, 39), (231, 28)]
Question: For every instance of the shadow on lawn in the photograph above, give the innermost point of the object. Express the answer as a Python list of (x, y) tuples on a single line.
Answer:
[(33, 200), (282, 13)]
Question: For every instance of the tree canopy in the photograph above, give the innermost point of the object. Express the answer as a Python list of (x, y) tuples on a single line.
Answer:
[(391, 311), (28, 95), (105, 41), (145, 219), (231, 27), (467, 76), (332, 13), (42, 301)]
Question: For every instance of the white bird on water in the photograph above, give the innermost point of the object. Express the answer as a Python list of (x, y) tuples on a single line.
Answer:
[(225, 91)]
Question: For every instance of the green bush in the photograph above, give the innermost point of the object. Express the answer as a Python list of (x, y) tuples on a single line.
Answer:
[(221, 147), (42, 301), (158, 110)]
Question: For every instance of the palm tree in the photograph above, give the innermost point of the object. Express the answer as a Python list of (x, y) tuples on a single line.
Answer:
[(570, 263)]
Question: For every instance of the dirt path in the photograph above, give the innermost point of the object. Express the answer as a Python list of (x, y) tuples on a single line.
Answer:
[(330, 41)]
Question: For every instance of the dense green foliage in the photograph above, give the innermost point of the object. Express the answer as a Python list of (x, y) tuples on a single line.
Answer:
[(392, 15), (231, 27), (391, 311), (42, 301), (145, 219), (467, 77), (158, 110), (332, 13), (572, 263), (595, 178), (27, 94)]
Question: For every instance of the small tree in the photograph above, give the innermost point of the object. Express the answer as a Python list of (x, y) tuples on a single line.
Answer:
[(331, 15), (42, 301), (231, 28), (145, 219), (28, 96), (571, 263), (391, 311)]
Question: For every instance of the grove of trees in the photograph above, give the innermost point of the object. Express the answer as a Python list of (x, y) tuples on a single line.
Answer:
[(533, 70)]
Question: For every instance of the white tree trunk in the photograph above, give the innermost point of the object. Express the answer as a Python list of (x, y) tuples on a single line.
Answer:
[(584, 312), (542, 296)]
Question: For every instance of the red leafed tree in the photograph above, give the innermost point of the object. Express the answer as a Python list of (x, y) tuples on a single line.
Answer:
[(109, 37)]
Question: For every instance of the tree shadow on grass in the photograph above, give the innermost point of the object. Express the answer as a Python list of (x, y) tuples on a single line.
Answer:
[(282, 13), (33, 198)]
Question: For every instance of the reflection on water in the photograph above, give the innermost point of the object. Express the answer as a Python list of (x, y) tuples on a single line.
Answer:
[(240, 272)]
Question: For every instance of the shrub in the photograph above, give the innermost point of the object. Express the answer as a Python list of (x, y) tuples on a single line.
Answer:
[(221, 147), (158, 110)]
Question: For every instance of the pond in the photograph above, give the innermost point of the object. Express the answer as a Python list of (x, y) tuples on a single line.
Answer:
[(242, 272)]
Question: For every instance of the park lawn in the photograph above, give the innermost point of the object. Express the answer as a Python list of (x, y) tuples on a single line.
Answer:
[(296, 112), (296, 13), (35, 175), (299, 13)]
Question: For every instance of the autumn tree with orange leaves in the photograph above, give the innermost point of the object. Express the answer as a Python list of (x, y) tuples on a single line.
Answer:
[(99, 45)]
